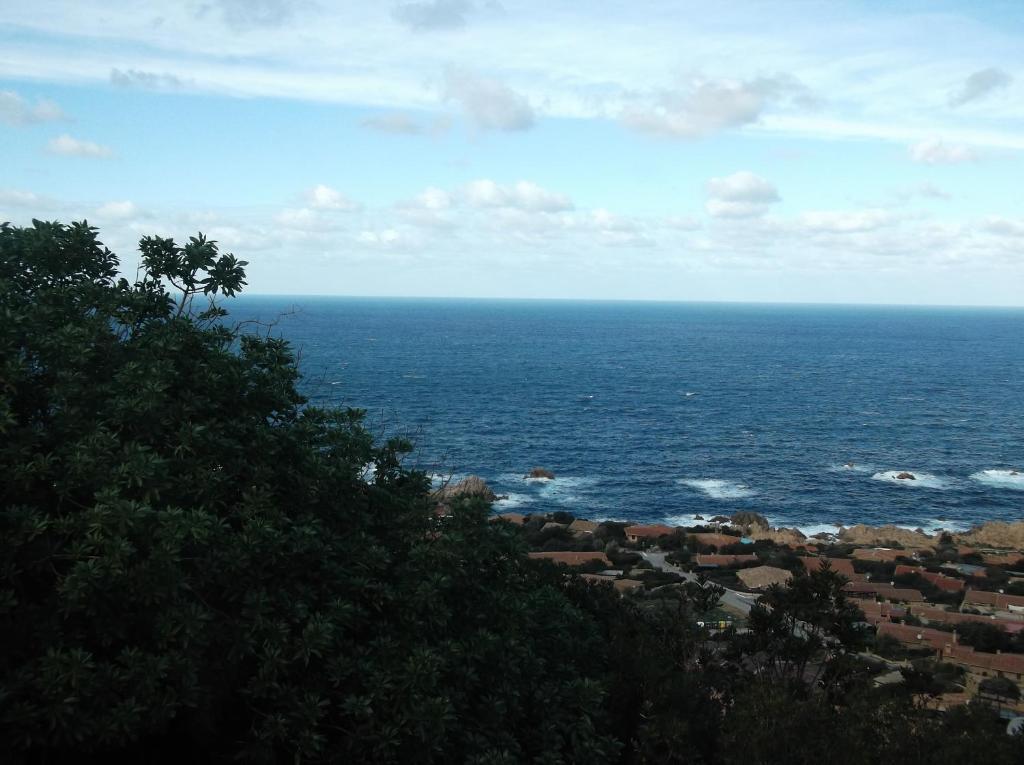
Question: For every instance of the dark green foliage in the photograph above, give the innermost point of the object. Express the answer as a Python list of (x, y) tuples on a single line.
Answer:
[(193, 567)]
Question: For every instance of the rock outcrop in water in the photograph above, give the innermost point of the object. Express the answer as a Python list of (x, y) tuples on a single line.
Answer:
[(749, 520), (539, 472), (906, 477), (995, 534), (793, 537), (884, 535), (471, 486)]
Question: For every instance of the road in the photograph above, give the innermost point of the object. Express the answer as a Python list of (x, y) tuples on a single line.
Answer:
[(738, 601)]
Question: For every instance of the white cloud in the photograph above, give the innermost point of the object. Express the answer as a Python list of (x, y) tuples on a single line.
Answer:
[(15, 110), (135, 78), (980, 84), (934, 151), (433, 198), (383, 238), (17, 198), (322, 197), (74, 147), (1003, 226), (250, 14), (397, 123), (488, 103), (845, 221), (120, 210), (523, 195), (708, 106), (740, 195), (428, 15)]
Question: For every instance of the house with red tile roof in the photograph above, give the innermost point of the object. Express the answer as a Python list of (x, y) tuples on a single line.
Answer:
[(645, 533), (982, 665), (571, 558), (883, 590), (943, 582), (937, 615), (842, 566), (992, 601)]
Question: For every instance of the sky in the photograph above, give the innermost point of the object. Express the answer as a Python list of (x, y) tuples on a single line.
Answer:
[(813, 151)]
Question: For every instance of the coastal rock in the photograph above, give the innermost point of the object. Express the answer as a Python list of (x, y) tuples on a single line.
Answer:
[(749, 520), (883, 535), (471, 486), (539, 472), (792, 537), (698, 517), (904, 476), (720, 519), (995, 534)]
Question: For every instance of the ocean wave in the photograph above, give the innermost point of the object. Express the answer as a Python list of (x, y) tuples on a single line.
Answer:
[(850, 467), (1001, 479), (920, 480), (931, 525), (685, 520), (508, 501), (717, 488)]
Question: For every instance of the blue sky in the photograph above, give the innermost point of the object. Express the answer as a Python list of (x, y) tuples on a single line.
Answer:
[(777, 151)]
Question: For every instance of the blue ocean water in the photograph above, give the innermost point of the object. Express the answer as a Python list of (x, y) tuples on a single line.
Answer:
[(662, 411)]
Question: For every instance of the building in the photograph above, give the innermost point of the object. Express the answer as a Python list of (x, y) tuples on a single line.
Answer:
[(943, 582), (620, 585), (936, 615), (842, 566), (876, 613), (571, 558), (989, 602), (883, 590), (647, 533), (937, 640)]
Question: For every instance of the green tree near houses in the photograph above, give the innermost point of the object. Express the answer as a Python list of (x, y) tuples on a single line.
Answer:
[(194, 566)]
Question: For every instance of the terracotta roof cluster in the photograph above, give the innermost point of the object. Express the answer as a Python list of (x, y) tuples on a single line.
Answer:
[(942, 616), (908, 635), (943, 582), (880, 553), (993, 600), (649, 532), (866, 589), (876, 613), (715, 540), (842, 566), (1002, 559), (722, 561), (571, 558), (1011, 663)]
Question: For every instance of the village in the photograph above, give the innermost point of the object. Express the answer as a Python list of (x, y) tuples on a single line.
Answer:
[(951, 609)]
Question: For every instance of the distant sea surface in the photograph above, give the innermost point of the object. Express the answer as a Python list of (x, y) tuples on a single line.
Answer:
[(657, 412)]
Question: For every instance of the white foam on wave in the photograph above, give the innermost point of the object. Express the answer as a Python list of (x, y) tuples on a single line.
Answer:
[(1000, 479), (686, 520), (717, 488), (850, 467), (508, 501), (920, 480), (562, 489)]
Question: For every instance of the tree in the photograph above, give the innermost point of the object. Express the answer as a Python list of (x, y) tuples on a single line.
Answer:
[(193, 566)]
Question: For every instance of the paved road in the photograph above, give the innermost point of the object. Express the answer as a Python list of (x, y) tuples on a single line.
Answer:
[(738, 601)]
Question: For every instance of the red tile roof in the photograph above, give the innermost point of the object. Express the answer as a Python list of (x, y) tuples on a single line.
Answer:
[(884, 590), (908, 635), (842, 566), (942, 616), (993, 599), (571, 558), (943, 582), (1012, 663)]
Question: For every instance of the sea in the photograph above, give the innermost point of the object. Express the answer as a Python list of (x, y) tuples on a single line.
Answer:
[(672, 412)]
